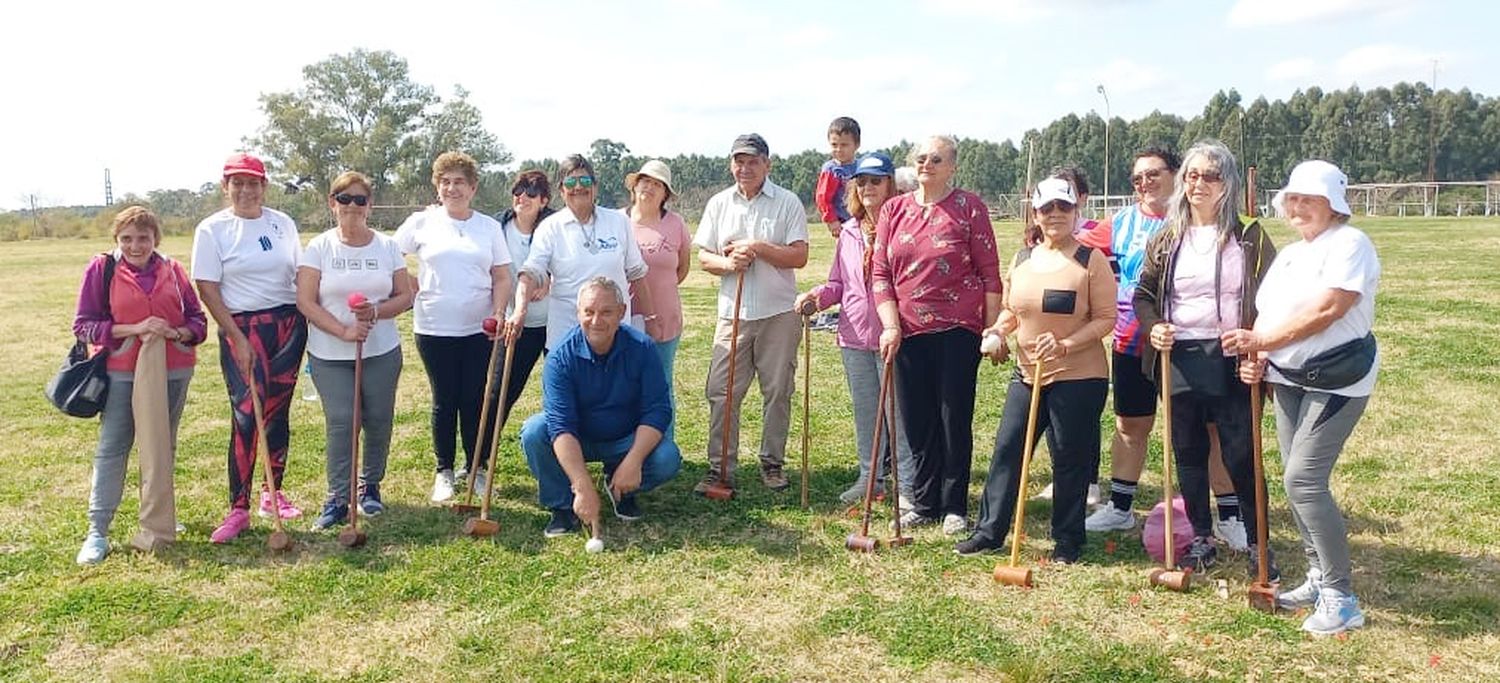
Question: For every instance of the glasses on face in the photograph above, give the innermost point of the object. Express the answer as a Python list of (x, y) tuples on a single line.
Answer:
[(584, 181), (867, 180), (347, 199), (1147, 176), (1210, 177), (933, 159), (1054, 206), (528, 190)]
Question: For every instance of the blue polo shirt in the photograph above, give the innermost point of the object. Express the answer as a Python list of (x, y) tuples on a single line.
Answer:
[(604, 398)]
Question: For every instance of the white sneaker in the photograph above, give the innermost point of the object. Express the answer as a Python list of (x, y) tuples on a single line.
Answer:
[(1110, 518), (911, 519), (1337, 612), (1232, 532), (95, 549), (1046, 494), (478, 482), (954, 525), (442, 486), (1094, 498), (1305, 595)]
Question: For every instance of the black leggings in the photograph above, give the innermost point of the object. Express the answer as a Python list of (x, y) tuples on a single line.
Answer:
[(1191, 413), (1069, 415), (529, 347), (455, 371), (935, 376)]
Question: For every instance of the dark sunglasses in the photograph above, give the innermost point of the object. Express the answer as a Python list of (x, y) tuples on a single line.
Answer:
[(1053, 206), (355, 199), (571, 182), (933, 159), (528, 190), (1210, 177), (1149, 176), (864, 180)]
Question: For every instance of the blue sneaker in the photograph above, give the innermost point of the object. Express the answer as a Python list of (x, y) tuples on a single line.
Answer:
[(95, 549), (335, 512), (369, 501), (1337, 612)]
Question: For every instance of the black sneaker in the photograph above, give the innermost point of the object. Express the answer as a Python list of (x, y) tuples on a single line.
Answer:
[(335, 512), (369, 501), (1200, 555), (1273, 572), (563, 522), (627, 508), (977, 544), (1066, 553)]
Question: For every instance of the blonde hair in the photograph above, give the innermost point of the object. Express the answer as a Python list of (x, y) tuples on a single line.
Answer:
[(136, 217), (349, 179), (455, 161)]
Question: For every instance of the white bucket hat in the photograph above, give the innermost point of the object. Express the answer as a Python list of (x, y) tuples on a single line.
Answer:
[(1053, 189), (1317, 178), (652, 169)]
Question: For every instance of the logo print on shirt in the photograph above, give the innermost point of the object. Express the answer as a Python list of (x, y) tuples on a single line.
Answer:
[(338, 264), (265, 243), (609, 243)]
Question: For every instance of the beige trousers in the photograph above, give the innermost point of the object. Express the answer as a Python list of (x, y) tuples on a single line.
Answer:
[(767, 349)]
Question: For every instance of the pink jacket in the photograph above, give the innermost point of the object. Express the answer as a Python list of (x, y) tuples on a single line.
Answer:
[(859, 326)]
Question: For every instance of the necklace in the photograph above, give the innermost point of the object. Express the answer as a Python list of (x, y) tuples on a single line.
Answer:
[(1193, 243)]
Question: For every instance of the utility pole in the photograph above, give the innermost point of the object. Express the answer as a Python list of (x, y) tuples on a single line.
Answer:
[(1432, 129), (36, 222), (1106, 143), (109, 191)]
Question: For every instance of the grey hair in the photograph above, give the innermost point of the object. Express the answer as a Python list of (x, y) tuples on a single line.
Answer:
[(603, 283), (1179, 212), (947, 142)]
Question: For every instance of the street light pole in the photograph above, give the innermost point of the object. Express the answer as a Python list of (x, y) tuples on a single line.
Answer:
[(1106, 142)]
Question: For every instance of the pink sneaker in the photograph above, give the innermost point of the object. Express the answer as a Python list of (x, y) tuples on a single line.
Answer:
[(284, 506), (237, 521)]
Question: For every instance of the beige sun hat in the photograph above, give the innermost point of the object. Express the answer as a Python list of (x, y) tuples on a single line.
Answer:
[(652, 169)]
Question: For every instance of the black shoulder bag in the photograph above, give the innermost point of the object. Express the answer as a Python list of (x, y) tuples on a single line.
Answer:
[(82, 383)]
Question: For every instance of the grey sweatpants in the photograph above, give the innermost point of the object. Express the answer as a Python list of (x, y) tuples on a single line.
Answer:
[(335, 382), (1311, 427), (863, 372), (116, 436)]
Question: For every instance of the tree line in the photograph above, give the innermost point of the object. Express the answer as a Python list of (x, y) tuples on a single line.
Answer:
[(363, 111)]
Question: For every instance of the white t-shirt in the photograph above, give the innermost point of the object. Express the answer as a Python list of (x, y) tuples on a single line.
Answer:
[(519, 244), (1341, 257), (254, 260), (775, 215), (455, 258), (571, 253), (344, 270)]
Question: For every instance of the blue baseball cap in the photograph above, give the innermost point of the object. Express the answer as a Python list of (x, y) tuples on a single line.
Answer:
[(874, 163)]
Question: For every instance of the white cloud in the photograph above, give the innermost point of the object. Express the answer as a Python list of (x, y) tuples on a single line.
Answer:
[(1262, 13), (1295, 70), (1013, 11), (1385, 62), (1119, 77), (807, 37)]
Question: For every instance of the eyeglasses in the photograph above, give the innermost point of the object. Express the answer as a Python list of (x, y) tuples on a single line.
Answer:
[(529, 190), (584, 181), (1147, 176), (1210, 177), (1054, 206), (355, 199), (865, 180), (933, 159)]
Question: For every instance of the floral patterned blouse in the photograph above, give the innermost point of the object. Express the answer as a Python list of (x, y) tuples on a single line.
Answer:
[(936, 262)]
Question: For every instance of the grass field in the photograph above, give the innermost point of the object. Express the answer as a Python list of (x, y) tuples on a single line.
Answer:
[(756, 589)]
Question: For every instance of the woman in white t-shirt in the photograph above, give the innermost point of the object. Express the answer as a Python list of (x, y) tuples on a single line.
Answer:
[(1319, 296), (1201, 273), (463, 278), (578, 243), (346, 260), (530, 193), (245, 265)]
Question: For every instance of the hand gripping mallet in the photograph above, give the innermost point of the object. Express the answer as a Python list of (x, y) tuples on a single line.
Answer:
[(862, 542), (483, 525), (279, 540), (491, 326), (721, 490), (352, 536), (1014, 574), (1169, 576), (1262, 592), (897, 539), (806, 397)]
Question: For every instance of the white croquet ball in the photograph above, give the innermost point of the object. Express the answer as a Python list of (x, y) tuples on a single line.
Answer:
[(990, 344), (594, 545)]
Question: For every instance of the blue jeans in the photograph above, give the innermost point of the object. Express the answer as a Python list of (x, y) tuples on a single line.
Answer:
[(667, 351), (555, 492)]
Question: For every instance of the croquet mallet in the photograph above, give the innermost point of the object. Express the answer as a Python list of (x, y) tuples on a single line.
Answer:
[(1014, 574)]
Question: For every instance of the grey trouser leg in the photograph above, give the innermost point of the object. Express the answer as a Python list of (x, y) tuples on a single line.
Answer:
[(1311, 427), (863, 372), (116, 436), (335, 382)]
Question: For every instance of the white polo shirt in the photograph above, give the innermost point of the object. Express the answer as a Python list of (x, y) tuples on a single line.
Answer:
[(570, 253), (1341, 257), (455, 258), (774, 215), (254, 260)]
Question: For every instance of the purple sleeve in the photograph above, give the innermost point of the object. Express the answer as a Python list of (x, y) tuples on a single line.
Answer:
[(91, 323), (192, 308)]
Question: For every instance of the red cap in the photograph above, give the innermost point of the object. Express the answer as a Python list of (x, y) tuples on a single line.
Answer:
[(244, 164), (356, 299)]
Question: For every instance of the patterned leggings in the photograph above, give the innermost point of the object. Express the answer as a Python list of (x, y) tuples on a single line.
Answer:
[(278, 337)]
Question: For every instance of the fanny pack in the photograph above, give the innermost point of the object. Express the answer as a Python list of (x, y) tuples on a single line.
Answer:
[(1335, 368)]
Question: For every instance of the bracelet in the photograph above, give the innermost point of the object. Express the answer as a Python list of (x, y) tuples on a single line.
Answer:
[(891, 328)]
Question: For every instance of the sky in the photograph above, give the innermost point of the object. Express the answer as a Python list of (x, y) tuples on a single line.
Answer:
[(161, 92)]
